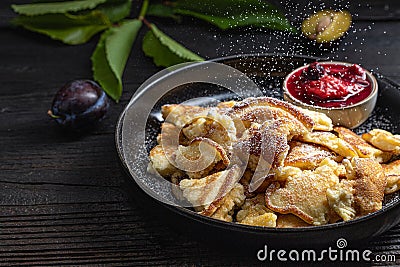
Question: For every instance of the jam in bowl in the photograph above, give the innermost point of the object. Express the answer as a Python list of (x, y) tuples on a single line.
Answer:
[(345, 92)]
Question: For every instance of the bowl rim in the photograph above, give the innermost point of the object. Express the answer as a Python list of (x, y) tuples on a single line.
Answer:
[(242, 227), (371, 77)]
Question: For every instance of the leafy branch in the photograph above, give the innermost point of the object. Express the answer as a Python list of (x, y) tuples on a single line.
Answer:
[(76, 22)]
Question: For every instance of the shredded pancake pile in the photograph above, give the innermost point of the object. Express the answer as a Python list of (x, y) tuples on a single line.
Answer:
[(265, 162)]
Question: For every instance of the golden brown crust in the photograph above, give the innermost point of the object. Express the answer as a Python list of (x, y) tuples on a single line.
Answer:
[(285, 204), (363, 149), (254, 212), (392, 173), (330, 141), (171, 135), (161, 164), (211, 189), (214, 125), (181, 115), (261, 114), (221, 153), (200, 158), (370, 182), (304, 195), (383, 140), (321, 121), (290, 221), (308, 156), (180, 109), (273, 102), (245, 181), (221, 209), (255, 188), (274, 139), (269, 143)]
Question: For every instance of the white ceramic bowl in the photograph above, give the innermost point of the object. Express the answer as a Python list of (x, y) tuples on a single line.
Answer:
[(349, 116)]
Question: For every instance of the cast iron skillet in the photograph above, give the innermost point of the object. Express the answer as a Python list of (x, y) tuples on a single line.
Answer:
[(268, 71)]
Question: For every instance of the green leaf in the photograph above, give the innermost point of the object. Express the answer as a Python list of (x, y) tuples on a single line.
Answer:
[(275, 22), (227, 14), (56, 7), (111, 54), (163, 11), (164, 50), (68, 28), (116, 10)]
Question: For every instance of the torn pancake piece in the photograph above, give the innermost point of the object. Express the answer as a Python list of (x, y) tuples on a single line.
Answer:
[(383, 140), (200, 158), (215, 126), (291, 111), (274, 141), (160, 163), (207, 193), (341, 199), (224, 208), (369, 185), (261, 114), (321, 121), (304, 195), (392, 173), (171, 135), (330, 141), (266, 143), (281, 174), (308, 156), (360, 194), (180, 115), (310, 119), (363, 149), (255, 212)]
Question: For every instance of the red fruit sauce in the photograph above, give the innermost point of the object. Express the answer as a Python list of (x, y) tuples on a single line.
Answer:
[(338, 86)]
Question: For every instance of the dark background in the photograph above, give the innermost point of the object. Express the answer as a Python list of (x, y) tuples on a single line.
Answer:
[(63, 199)]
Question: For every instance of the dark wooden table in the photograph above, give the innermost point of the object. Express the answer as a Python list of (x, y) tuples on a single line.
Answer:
[(63, 200)]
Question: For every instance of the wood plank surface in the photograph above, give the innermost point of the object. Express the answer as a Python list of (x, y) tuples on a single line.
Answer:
[(63, 199)]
